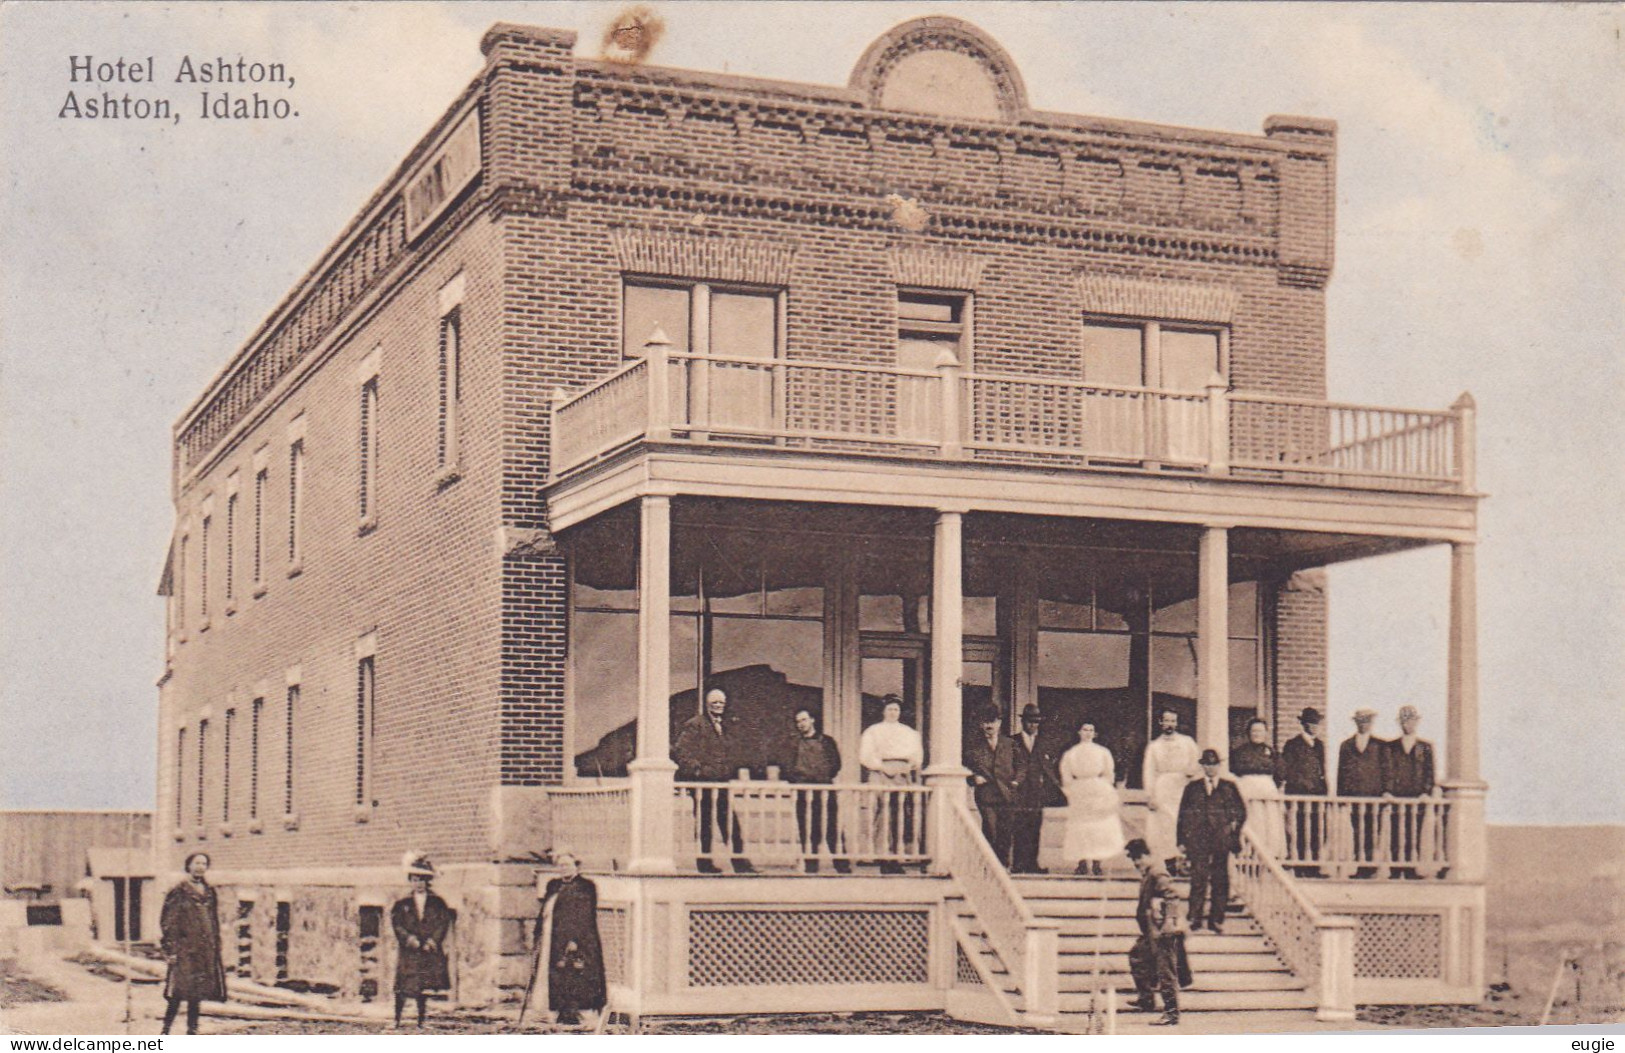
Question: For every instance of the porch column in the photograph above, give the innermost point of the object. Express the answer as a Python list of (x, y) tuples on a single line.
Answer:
[(1463, 786), (653, 773), (1213, 641), (946, 773)]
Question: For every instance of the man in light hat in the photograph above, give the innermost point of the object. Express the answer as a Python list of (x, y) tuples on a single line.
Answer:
[(1027, 764), (1211, 812), (421, 922), (1360, 762), (1408, 772), (1303, 774), (1170, 763)]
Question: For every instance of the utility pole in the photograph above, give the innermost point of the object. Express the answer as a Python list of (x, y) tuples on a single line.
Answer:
[(129, 902)]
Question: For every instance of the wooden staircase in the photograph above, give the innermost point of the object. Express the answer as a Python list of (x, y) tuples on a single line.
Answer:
[(1240, 982)]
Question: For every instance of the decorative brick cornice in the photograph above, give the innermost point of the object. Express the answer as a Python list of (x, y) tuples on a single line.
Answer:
[(935, 268), (1178, 301), (683, 255)]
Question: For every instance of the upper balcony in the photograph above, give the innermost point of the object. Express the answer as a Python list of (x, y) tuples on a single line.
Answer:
[(950, 416)]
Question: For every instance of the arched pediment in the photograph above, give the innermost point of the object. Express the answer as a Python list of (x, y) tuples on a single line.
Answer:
[(941, 66)]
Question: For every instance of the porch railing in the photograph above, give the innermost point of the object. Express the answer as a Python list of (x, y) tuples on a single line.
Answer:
[(951, 413), (594, 822), (1367, 836), (1317, 947), (787, 824), (1342, 442), (1029, 948)]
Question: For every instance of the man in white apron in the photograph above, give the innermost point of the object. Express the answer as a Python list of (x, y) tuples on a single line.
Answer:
[(1170, 763)]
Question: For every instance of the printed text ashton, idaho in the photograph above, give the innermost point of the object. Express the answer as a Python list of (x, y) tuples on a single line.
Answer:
[(229, 89)]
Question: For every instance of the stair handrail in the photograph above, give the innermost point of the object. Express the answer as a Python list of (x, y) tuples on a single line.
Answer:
[(1316, 946), (1028, 945)]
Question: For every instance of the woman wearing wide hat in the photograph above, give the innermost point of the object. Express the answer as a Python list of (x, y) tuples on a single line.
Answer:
[(190, 923), (422, 924)]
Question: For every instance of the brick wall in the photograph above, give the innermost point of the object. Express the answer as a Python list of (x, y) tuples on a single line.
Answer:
[(426, 580), (459, 580), (1300, 650)]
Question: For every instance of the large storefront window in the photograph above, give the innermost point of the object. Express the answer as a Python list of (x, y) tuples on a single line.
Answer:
[(1117, 645), (747, 617)]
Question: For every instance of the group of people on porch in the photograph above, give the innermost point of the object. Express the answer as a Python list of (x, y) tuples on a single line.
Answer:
[(1016, 776)]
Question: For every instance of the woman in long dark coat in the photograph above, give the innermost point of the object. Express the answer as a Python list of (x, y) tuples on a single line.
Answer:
[(190, 923), (567, 928), (421, 922)]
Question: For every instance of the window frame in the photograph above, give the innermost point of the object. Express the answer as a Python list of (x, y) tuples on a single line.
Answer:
[(962, 329), (1151, 357)]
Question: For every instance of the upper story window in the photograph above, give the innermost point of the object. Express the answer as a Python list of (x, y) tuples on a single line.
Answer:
[(262, 482), (1153, 354), (367, 451), (203, 569), (930, 324), (450, 377), (296, 492), (231, 540), (451, 389), (740, 328)]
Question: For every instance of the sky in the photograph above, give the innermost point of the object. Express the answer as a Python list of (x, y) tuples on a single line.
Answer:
[(1479, 248)]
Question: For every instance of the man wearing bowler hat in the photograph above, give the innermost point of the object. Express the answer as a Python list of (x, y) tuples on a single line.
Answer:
[(1303, 774), (1210, 816), (1026, 764)]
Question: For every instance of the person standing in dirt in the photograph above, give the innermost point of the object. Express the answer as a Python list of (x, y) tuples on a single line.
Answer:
[(567, 933), (422, 922), (190, 923)]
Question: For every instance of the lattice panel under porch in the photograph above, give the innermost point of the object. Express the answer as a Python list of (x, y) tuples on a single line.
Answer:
[(613, 923), (965, 974), (812, 947), (1399, 946)]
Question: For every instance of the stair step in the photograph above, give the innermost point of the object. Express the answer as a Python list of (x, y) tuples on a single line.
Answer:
[(1201, 964)]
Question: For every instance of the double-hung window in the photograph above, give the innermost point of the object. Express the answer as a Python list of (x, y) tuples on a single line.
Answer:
[(449, 376), (367, 452), (734, 331), (1151, 377)]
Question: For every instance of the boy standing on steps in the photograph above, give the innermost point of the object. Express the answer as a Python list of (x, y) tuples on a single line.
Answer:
[(1155, 960)]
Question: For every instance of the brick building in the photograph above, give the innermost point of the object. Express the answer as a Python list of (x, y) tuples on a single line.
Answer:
[(630, 381)]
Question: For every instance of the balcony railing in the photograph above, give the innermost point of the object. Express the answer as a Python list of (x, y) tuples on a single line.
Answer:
[(1366, 837), (998, 418), (787, 825), (594, 822)]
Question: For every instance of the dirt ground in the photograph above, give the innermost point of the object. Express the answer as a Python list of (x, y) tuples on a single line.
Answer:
[(67, 996)]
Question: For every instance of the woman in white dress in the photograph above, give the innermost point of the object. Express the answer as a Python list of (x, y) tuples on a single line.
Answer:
[(1255, 765), (1088, 777)]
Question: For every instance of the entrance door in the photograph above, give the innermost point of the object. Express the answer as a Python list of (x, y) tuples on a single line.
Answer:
[(895, 665)]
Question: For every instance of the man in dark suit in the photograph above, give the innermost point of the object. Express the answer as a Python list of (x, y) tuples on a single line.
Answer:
[(710, 748), (1407, 772), (813, 760), (1210, 816), (1026, 764), (1303, 774), (1360, 761), (992, 796)]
